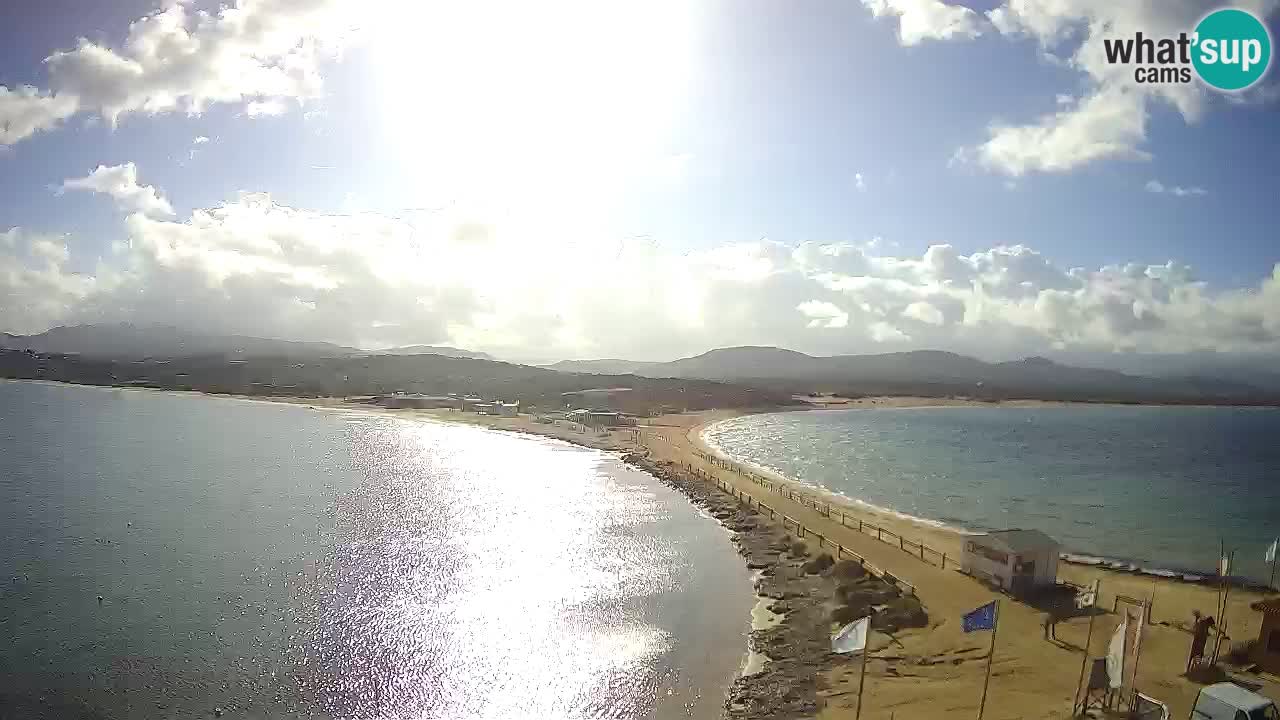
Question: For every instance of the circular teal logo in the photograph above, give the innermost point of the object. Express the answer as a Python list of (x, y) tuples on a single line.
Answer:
[(1232, 49)]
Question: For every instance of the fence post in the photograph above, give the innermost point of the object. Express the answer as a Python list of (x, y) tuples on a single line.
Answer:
[(859, 526), (922, 552), (944, 561), (880, 534), (902, 544)]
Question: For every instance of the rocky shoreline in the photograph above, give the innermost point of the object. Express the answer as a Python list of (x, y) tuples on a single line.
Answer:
[(811, 592)]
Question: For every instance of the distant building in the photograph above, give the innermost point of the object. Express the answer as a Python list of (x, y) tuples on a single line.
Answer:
[(410, 400), (508, 409), (1017, 561), (600, 418), (597, 398)]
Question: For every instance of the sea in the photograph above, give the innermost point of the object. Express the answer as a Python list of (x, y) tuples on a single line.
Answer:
[(1162, 489), (177, 556)]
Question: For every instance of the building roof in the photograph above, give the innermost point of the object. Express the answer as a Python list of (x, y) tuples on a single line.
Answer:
[(1018, 540), (1269, 605), (1236, 696), (597, 391)]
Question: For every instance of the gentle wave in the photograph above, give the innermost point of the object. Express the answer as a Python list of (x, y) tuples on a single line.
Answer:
[(1143, 490), (837, 495)]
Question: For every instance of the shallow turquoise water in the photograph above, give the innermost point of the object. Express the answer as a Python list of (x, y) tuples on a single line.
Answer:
[(1158, 486), (277, 561)]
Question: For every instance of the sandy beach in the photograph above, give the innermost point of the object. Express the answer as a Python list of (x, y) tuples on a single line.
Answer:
[(935, 671)]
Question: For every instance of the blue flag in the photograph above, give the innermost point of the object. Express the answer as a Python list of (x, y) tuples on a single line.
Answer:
[(984, 618)]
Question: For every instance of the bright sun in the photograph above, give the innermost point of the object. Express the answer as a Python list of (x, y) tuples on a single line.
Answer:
[(506, 98)]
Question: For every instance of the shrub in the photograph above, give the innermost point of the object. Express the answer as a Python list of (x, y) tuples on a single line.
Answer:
[(799, 549), (846, 614), (819, 564), (849, 570)]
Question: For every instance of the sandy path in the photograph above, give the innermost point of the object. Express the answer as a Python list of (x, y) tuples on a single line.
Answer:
[(938, 671)]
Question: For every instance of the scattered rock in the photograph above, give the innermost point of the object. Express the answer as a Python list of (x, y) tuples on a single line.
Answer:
[(849, 570), (799, 646), (819, 564)]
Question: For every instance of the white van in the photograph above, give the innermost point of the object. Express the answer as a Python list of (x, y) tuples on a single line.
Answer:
[(1228, 701)]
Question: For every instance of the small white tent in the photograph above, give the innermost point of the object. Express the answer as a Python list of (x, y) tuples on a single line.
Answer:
[(1015, 560)]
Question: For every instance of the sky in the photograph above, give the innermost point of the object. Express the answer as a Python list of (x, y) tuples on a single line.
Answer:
[(578, 179)]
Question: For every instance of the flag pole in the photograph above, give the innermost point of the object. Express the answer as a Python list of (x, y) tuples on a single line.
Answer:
[(1222, 625), (1084, 661), (1272, 583), (1222, 555), (862, 678), (995, 625)]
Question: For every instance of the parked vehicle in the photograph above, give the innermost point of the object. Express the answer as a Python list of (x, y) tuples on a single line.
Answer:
[(1228, 701)]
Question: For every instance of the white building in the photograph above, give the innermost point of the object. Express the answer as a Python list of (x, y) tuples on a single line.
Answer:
[(507, 409), (1014, 560)]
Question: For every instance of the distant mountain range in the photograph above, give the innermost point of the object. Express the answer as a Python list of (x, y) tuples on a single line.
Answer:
[(126, 341), (444, 350), (1186, 378), (929, 372)]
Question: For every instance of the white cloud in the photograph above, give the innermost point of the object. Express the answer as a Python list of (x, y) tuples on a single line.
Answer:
[(1108, 124), (200, 140), (924, 312), (37, 290), (1110, 121), (823, 314), (920, 20), (251, 265), (1155, 186), (121, 183), (255, 52), (859, 183), (25, 111), (269, 108)]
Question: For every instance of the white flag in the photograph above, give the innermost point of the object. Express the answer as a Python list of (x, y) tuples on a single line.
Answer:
[(851, 637), (1271, 551), (1224, 566), (1115, 657)]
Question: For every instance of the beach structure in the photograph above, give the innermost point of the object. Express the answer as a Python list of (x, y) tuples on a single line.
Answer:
[(1266, 652), (414, 400), (600, 419), (1015, 560), (507, 409), (614, 398)]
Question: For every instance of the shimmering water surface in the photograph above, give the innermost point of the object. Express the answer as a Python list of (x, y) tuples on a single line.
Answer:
[(275, 560), (1157, 486)]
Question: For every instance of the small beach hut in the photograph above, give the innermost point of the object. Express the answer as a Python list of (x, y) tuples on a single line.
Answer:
[(1266, 652), (1017, 561)]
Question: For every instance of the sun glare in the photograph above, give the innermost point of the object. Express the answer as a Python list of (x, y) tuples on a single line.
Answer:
[(513, 101)]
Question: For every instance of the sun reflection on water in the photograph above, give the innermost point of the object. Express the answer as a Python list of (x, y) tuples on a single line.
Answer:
[(491, 576)]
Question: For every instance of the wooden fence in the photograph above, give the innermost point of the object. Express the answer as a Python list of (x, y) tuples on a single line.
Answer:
[(839, 551), (915, 548)]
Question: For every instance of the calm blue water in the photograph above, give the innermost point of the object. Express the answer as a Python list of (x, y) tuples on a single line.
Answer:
[(1153, 485), (276, 561)]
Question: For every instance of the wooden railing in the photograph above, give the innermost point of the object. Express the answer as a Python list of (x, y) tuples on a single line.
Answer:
[(916, 548), (803, 532)]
